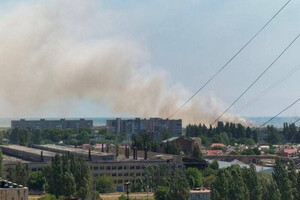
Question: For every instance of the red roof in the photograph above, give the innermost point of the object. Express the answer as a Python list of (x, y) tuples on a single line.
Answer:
[(217, 145), (211, 152), (290, 151)]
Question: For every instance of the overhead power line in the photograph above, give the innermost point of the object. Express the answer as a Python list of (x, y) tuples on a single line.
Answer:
[(273, 85), (237, 53), (276, 59), (279, 114), (296, 121)]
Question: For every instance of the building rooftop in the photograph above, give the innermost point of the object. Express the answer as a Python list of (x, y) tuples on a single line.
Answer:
[(170, 139), (28, 150), (199, 191), (72, 149)]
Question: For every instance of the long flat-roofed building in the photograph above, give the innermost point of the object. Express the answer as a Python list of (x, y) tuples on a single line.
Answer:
[(26, 153), (121, 168), (51, 124)]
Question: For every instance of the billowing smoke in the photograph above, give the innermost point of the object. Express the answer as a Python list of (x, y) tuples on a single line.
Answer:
[(66, 50)]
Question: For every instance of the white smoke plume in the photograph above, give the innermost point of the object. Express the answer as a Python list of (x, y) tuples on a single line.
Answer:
[(63, 50)]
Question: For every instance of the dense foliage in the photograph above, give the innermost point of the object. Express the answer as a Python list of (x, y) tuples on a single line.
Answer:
[(245, 183), (228, 133), (290, 133)]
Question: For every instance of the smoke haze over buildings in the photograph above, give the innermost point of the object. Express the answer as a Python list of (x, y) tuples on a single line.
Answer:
[(65, 50)]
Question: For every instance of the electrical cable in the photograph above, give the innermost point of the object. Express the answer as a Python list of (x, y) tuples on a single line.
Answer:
[(245, 91), (238, 52)]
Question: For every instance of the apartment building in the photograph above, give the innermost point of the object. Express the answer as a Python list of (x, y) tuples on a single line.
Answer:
[(51, 124), (155, 126)]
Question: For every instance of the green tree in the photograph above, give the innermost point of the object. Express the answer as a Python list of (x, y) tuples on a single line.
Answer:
[(194, 177), (162, 193), (252, 183), (292, 174), (214, 165), (273, 192), (84, 186), (55, 175), (36, 181), (197, 152), (280, 176), (1, 165), (69, 185), (220, 187), (20, 174), (104, 184), (238, 189)]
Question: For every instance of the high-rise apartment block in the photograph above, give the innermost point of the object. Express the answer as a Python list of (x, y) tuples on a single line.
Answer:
[(155, 126), (51, 124)]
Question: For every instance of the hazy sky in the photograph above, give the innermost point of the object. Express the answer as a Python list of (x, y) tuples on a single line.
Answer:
[(191, 40)]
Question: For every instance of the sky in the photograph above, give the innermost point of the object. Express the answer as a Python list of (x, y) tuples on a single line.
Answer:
[(187, 42)]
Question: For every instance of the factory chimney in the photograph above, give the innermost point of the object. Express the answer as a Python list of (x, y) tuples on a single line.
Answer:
[(42, 156), (146, 153), (117, 150), (90, 156)]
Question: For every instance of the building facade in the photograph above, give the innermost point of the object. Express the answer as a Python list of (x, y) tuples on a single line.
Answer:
[(121, 168), (200, 194), (156, 126), (51, 124), (12, 191)]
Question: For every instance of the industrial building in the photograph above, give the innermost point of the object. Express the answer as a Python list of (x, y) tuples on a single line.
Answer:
[(122, 168), (79, 152), (26, 153), (51, 124), (155, 126)]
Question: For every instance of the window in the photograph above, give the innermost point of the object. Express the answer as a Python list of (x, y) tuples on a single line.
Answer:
[(95, 168), (101, 168), (120, 167), (131, 174), (143, 167), (120, 174), (114, 167), (138, 174), (114, 174), (138, 167), (125, 174), (108, 168), (131, 167), (125, 167), (120, 181)]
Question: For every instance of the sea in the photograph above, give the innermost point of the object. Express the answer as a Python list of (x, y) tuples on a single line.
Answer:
[(101, 121)]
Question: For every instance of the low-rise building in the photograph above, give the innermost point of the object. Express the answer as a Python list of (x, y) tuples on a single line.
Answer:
[(121, 168), (186, 145), (200, 194), (288, 153)]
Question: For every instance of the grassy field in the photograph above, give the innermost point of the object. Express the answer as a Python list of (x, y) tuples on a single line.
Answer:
[(113, 196)]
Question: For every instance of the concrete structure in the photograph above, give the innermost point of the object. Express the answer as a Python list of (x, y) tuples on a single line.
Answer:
[(51, 124), (27, 153), (200, 194), (82, 153), (12, 191), (122, 169), (155, 126)]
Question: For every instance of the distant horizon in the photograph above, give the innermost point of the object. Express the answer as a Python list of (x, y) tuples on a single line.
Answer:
[(100, 121)]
